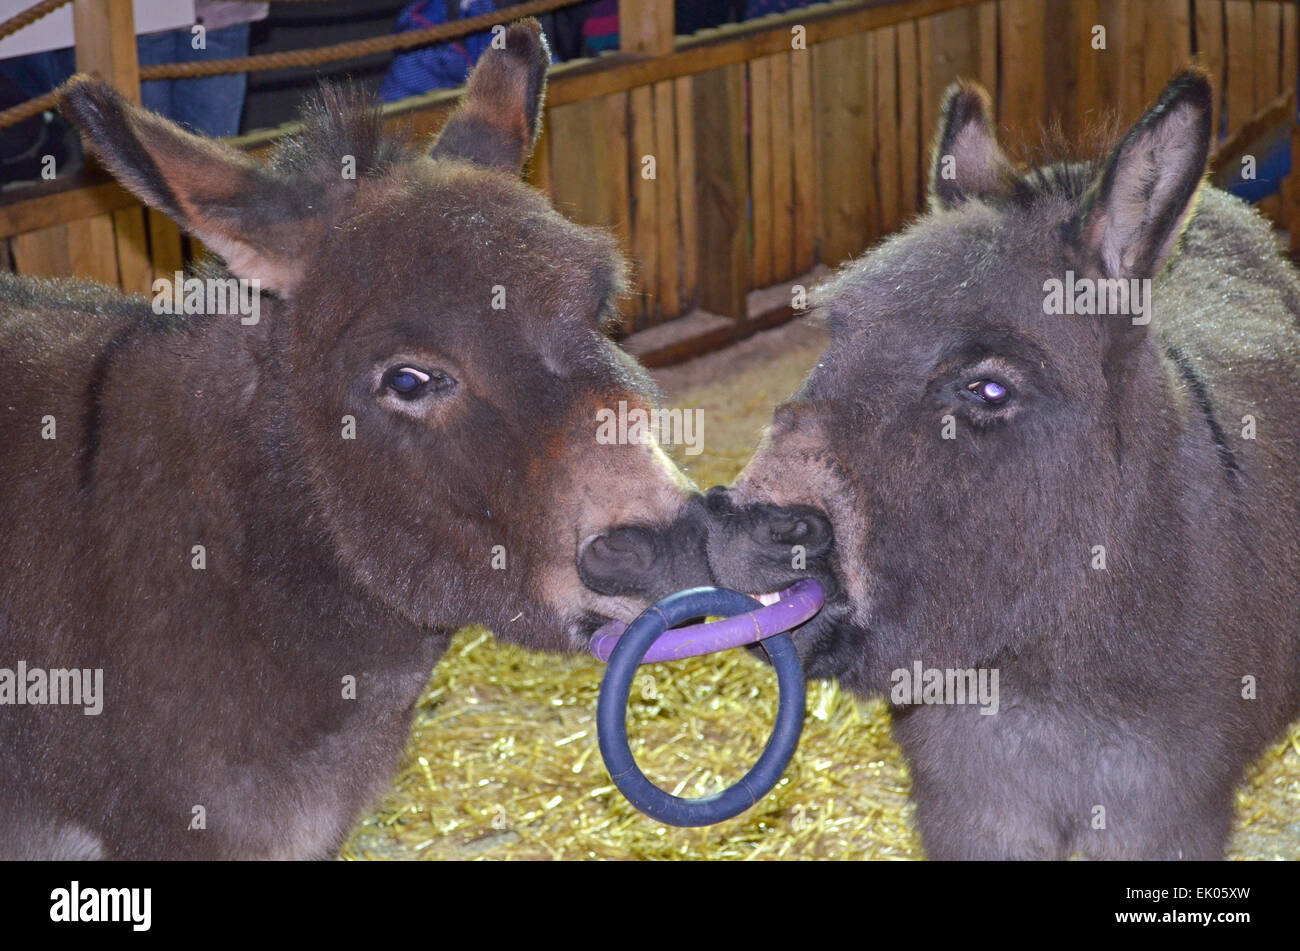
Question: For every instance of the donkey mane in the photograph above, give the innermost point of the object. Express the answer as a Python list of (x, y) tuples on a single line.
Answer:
[(1067, 180), (1060, 166), (338, 121)]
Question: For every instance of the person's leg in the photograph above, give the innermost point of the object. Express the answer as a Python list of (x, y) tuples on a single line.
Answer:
[(38, 73), (213, 105), (154, 49)]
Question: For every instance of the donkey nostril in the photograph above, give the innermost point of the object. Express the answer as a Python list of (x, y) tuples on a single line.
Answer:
[(790, 532), (617, 561), (808, 528), (620, 550), (791, 417)]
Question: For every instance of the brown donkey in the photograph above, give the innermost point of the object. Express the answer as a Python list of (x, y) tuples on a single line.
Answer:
[(232, 546)]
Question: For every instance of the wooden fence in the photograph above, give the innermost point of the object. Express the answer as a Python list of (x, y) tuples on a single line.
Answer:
[(741, 157)]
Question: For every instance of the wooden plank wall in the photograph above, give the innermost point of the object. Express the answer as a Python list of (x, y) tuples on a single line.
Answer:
[(838, 135), (748, 174), (128, 248)]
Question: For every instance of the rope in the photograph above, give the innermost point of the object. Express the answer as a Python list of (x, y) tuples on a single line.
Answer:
[(36, 11), (32, 107), (265, 61), (29, 16), (356, 48)]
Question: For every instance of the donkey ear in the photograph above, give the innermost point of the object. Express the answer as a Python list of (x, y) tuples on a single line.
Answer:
[(497, 122), (965, 160), (1134, 212), (232, 203)]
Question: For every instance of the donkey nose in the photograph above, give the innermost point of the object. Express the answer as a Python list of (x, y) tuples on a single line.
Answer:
[(717, 501), (618, 561), (794, 416), (774, 528), (649, 561), (780, 527)]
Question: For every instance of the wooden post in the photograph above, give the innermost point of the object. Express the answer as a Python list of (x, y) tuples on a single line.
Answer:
[(645, 201), (1239, 43), (589, 169), (646, 27), (1209, 50), (845, 153), (889, 182), (687, 183), (105, 36), (669, 252), (760, 168), (1023, 106), (803, 124), (783, 146), (722, 190), (912, 146), (104, 31)]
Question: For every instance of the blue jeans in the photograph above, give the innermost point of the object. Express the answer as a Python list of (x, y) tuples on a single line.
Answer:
[(210, 106)]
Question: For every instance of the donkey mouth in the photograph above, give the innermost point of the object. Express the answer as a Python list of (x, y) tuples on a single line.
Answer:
[(588, 626), (584, 627)]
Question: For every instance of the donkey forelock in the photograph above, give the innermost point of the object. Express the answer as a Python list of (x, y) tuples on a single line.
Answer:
[(340, 122)]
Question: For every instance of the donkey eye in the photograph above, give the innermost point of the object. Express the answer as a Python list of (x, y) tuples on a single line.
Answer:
[(410, 382), (990, 391)]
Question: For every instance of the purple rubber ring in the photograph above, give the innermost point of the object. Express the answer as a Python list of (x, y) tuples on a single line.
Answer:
[(797, 604)]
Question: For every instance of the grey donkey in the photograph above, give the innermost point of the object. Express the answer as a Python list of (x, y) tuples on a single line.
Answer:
[(1012, 460)]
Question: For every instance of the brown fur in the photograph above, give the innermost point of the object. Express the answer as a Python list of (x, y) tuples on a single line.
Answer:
[(326, 558)]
